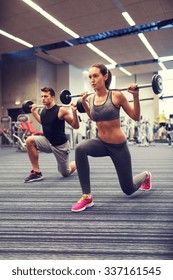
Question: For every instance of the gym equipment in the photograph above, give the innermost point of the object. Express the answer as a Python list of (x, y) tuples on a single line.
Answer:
[(27, 104), (156, 84), (6, 131)]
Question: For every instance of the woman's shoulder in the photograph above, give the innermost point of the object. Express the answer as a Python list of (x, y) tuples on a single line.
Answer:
[(118, 96)]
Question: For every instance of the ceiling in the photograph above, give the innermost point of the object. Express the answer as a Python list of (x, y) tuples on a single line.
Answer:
[(88, 18)]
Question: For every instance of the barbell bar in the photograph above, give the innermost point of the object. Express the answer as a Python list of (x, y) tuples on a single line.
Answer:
[(156, 84), (27, 104)]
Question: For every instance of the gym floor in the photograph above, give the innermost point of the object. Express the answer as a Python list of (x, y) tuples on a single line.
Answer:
[(36, 221)]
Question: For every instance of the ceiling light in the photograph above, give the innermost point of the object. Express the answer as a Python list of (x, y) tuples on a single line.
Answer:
[(148, 46), (67, 30), (128, 18), (17, 102), (143, 38), (102, 54), (113, 66), (15, 39), (51, 18), (166, 58), (125, 71), (110, 66), (162, 66)]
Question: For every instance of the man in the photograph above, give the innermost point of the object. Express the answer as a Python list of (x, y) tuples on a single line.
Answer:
[(54, 140)]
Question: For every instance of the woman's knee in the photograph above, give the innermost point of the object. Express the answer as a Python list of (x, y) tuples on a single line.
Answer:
[(128, 191)]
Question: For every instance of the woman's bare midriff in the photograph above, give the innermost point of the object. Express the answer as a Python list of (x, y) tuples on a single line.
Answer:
[(110, 132)]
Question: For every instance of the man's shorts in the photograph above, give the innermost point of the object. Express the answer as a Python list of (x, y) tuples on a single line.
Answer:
[(60, 152)]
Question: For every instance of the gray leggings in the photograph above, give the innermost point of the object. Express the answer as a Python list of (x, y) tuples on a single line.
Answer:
[(120, 155)]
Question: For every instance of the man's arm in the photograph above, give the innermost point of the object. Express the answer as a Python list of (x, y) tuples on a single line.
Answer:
[(71, 118), (35, 113)]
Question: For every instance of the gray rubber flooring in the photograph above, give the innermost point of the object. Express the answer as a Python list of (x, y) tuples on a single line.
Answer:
[(36, 221)]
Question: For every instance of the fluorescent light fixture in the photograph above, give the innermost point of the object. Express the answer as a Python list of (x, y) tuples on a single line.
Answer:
[(162, 66), (106, 57), (17, 102), (150, 49), (166, 58), (128, 18), (102, 54), (143, 39), (67, 30), (15, 39), (125, 71), (110, 66), (148, 46), (51, 18)]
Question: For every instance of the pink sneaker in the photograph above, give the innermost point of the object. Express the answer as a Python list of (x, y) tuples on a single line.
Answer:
[(83, 203), (146, 186)]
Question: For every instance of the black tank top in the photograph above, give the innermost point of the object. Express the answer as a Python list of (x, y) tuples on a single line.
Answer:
[(53, 128)]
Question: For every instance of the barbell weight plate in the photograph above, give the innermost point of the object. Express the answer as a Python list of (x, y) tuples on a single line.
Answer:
[(157, 84), (26, 106), (80, 107), (65, 96)]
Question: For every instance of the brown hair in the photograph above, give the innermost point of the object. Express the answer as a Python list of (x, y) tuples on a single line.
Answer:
[(48, 89), (104, 71)]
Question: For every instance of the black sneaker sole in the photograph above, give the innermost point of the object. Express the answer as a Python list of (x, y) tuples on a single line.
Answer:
[(34, 180)]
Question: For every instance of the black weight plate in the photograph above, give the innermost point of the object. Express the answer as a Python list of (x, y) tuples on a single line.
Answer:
[(65, 96), (157, 84), (26, 106)]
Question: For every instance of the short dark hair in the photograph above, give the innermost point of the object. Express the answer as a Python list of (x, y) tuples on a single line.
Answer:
[(48, 89), (104, 70)]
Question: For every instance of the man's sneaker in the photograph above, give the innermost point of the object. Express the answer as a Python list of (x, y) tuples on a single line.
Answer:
[(34, 176), (84, 202), (146, 186)]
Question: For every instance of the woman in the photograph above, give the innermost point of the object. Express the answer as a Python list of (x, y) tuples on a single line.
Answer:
[(104, 108)]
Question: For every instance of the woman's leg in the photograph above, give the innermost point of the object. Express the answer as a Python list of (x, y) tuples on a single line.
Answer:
[(121, 158), (90, 147)]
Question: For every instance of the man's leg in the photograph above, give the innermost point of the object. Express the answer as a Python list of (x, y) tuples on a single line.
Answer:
[(62, 155), (33, 153), (72, 167), (33, 144)]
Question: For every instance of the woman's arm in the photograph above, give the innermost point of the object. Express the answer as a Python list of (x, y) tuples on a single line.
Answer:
[(85, 104), (132, 111)]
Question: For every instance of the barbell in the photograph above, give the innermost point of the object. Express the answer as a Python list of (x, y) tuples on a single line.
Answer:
[(156, 84), (27, 104), (66, 97)]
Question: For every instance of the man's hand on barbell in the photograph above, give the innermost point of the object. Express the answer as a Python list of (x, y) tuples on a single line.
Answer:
[(73, 107), (34, 108)]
